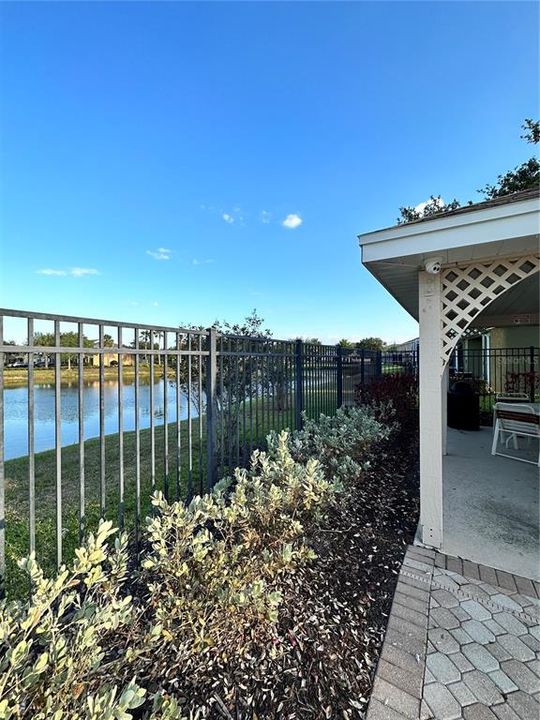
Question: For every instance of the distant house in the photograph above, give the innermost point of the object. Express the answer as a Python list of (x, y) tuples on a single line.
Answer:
[(110, 359)]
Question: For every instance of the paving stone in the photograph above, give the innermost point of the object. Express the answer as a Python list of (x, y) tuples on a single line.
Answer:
[(397, 699), (460, 614), (478, 631), (425, 711), (457, 577), (462, 693), (443, 704), (461, 636), (506, 602), (475, 610), (461, 662), (412, 616), (515, 647), (443, 668), (427, 552), (478, 712), (524, 678), (413, 582), (443, 641), (506, 580), (537, 588), (483, 687), (505, 712), (535, 631), (431, 648), (410, 682), (531, 642), (445, 599), (534, 665), (454, 565), (503, 682), (414, 592), (444, 618), (429, 677), (471, 570), (402, 659), (524, 586), (525, 706), (447, 583), (407, 643), (510, 623), (494, 627), (498, 651), (379, 711), (405, 627), (420, 606), (481, 658), (440, 560), (487, 574), (476, 592), (421, 567)]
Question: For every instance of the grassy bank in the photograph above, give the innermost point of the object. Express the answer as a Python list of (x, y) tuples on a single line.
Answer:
[(18, 377)]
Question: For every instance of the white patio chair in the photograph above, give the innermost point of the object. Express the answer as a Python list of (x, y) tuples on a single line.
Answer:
[(514, 420), (510, 397)]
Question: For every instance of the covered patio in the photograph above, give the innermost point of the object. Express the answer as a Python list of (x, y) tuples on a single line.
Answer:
[(472, 268)]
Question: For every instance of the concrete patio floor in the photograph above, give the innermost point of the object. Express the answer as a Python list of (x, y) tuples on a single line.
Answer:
[(491, 513)]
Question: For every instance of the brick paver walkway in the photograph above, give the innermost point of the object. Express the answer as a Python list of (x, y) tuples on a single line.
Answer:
[(462, 641)]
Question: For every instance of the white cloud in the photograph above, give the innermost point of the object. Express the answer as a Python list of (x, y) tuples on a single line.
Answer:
[(79, 271), (422, 206), (155, 303), (202, 262), (266, 217), (160, 254), (228, 218), (74, 272), (292, 221)]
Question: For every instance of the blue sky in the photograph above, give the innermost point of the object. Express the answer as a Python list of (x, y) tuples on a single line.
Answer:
[(151, 152)]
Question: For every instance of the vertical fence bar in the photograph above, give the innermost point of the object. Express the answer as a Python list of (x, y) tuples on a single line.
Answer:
[(31, 438), (121, 499), (222, 401), (102, 480), (136, 398), (200, 423), (299, 384), (189, 422), (152, 424), (165, 365), (211, 409), (58, 441), (339, 375), (178, 421), (2, 474), (531, 374), (80, 390)]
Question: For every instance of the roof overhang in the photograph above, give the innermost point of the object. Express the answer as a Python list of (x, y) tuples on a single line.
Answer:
[(395, 255)]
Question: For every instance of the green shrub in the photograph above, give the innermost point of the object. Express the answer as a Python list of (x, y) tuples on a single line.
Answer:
[(99, 640)]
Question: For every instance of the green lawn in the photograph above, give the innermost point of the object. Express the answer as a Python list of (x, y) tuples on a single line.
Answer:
[(265, 418)]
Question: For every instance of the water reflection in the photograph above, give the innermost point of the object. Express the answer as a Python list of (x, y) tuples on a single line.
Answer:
[(16, 411)]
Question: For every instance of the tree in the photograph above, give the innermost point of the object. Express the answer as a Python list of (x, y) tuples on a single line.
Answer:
[(371, 343), (67, 339), (344, 343), (524, 177)]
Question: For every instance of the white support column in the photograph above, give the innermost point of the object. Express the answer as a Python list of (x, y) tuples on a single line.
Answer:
[(431, 406), (444, 400)]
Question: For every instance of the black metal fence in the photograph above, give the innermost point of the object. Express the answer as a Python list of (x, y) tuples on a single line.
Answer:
[(496, 372), (96, 415)]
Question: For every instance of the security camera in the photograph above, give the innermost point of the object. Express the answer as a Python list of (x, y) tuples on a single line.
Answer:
[(433, 266)]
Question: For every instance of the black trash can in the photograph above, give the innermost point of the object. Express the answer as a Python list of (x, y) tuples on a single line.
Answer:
[(463, 407)]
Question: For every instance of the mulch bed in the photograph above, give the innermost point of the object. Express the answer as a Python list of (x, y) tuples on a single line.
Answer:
[(334, 613)]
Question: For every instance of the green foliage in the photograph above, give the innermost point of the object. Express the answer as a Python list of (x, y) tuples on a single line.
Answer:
[(434, 206), (371, 343), (99, 640)]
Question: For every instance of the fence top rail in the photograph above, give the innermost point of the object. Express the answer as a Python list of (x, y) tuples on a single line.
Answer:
[(30, 315)]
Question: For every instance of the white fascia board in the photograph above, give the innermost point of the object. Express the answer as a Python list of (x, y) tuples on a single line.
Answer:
[(469, 229)]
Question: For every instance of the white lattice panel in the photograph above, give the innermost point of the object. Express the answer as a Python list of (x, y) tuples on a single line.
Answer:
[(466, 291)]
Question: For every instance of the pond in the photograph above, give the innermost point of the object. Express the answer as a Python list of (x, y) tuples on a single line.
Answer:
[(16, 412)]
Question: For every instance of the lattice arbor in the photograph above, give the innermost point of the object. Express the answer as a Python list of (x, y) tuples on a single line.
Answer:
[(467, 290)]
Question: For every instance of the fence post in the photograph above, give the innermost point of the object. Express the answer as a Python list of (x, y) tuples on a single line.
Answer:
[(211, 409), (339, 371), (362, 368), (532, 373), (299, 384)]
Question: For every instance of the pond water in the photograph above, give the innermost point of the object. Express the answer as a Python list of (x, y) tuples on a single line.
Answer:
[(16, 412)]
